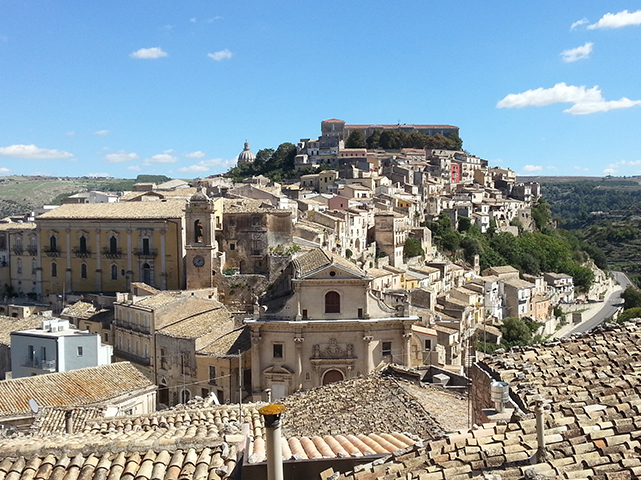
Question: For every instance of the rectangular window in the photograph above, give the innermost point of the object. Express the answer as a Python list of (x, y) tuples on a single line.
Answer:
[(80, 351), (428, 344), (386, 349), (305, 313), (232, 246), (277, 350), (212, 375), (204, 392)]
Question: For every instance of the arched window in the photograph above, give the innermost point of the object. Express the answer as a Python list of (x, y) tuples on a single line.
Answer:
[(198, 231), (113, 244), (83, 270), (33, 243), (54, 269), (83, 244), (53, 243), (19, 266), (19, 242), (332, 302), (34, 267), (114, 272)]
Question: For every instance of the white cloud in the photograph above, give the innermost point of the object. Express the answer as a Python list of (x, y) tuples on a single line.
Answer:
[(578, 53), (559, 93), (614, 168), (120, 157), (617, 20), (532, 168), (208, 165), (221, 55), (31, 152), (193, 20), (149, 53), (4, 171), (578, 23), (101, 133), (197, 154), (585, 100), (586, 108), (70, 134), (582, 169), (162, 158), (134, 168)]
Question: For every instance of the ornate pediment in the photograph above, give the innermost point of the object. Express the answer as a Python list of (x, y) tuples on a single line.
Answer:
[(333, 350)]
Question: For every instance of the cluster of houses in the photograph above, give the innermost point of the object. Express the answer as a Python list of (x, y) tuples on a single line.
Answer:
[(257, 290)]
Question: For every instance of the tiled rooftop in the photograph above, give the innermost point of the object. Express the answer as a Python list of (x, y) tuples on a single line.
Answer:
[(592, 429), (370, 404), (237, 340), (318, 258), (10, 324), (200, 324), (82, 387), (117, 211)]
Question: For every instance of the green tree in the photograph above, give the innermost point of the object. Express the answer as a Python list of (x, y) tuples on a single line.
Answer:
[(541, 214), (356, 139), (413, 248), (373, 141), (629, 314), (631, 297), (515, 332), (464, 224)]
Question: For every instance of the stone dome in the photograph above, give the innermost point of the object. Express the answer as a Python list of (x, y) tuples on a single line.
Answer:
[(199, 196), (246, 156)]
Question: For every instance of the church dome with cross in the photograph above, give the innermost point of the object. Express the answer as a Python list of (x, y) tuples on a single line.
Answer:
[(246, 156)]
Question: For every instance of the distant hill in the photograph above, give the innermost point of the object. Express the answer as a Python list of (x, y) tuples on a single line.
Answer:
[(21, 194)]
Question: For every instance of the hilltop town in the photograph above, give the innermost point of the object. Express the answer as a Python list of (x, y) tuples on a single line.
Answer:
[(331, 293)]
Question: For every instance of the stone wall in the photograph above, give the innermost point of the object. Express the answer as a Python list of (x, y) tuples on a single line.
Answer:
[(480, 392)]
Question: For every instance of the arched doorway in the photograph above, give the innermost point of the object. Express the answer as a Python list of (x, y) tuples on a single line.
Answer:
[(333, 376), (186, 396)]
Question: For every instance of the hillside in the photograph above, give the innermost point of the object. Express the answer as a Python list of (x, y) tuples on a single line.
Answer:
[(21, 194)]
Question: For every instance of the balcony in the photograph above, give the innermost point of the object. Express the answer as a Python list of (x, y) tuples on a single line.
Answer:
[(145, 252), (132, 357), (51, 252), (132, 326), (33, 251), (112, 253), (48, 365), (81, 253), (17, 250)]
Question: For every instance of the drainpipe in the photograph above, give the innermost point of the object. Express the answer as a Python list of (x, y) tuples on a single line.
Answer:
[(539, 411), (271, 414)]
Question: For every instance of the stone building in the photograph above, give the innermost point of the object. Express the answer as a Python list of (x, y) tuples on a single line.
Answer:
[(328, 327), (137, 319), (105, 247), (250, 230)]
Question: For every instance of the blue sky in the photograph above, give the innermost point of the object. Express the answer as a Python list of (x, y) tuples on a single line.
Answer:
[(176, 87)]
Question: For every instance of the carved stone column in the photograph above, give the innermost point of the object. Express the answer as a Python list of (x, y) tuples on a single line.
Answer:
[(256, 370), (163, 265), (98, 263), (369, 349), (68, 273), (298, 340), (407, 344)]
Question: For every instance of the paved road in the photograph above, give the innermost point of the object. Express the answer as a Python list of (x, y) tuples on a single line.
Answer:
[(610, 306)]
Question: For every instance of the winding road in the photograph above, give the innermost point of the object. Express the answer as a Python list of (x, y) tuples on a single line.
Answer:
[(610, 306)]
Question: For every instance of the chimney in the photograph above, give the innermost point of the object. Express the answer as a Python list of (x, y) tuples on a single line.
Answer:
[(539, 411), (271, 414)]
